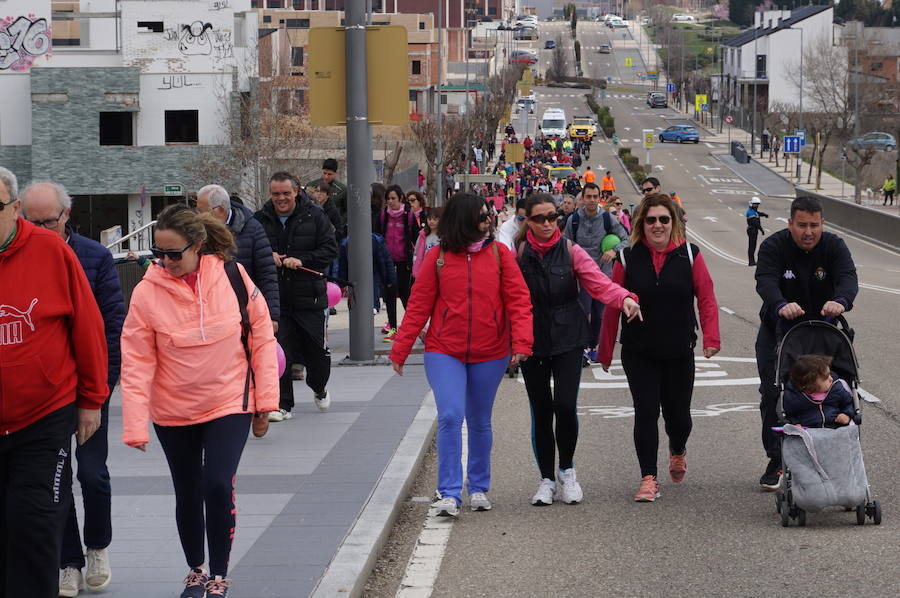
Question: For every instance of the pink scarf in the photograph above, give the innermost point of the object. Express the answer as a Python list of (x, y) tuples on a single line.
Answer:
[(542, 247)]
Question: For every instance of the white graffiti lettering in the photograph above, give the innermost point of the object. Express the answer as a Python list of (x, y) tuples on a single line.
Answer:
[(22, 41)]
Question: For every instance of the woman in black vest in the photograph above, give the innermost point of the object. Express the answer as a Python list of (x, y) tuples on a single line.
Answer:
[(658, 353), (554, 269)]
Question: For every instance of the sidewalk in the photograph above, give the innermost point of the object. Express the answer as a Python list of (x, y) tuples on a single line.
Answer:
[(316, 496)]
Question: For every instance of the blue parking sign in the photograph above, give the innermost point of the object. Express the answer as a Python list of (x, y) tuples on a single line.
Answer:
[(670, 88)]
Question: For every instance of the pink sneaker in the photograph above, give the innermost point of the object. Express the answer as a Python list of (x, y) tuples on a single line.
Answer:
[(386, 328), (649, 490), (678, 466)]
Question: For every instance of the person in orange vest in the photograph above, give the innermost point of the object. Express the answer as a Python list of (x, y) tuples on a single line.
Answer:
[(607, 185), (589, 176), (681, 211)]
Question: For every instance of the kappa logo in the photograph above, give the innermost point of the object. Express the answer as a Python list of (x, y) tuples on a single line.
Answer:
[(789, 275), (12, 332)]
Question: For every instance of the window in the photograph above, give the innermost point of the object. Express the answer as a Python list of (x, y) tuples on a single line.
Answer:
[(182, 126), (116, 128), (267, 18), (297, 23), (296, 56), (413, 95), (151, 26), (877, 66), (416, 67), (276, 4), (298, 4), (421, 26)]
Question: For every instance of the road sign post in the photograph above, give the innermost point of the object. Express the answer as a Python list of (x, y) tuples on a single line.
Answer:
[(648, 143)]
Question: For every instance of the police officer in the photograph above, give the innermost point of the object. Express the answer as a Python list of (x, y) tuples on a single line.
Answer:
[(802, 273), (754, 228)]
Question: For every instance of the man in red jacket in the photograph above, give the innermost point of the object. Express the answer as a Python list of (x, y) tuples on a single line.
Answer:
[(53, 368)]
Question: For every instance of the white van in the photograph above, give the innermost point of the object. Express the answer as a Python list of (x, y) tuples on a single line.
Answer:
[(553, 122), (684, 19)]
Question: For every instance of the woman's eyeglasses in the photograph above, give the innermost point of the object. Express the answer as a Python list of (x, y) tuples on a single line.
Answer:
[(484, 217), (173, 254), (618, 204), (653, 219), (541, 218)]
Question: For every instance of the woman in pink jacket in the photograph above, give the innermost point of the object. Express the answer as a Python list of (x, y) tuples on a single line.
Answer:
[(185, 367)]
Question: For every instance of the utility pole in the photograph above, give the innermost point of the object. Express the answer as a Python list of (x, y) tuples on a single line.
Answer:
[(359, 160), (439, 154), (800, 153), (755, 77)]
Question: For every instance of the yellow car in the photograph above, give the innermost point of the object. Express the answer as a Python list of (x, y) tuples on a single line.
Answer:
[(558, 171), (582, 127)]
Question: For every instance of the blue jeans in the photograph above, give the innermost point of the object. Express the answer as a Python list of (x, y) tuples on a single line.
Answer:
[(593, 309), (96, 495), (464, 391)]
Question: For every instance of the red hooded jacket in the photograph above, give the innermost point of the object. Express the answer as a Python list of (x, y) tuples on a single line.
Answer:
[(480, 310), (52, 344)]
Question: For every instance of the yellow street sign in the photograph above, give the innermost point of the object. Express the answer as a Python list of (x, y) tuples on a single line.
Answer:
[(515, 152), (388, 86), (699, 101), (648, 138), (629, 61)]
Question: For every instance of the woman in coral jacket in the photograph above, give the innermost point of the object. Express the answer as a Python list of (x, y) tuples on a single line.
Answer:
[(670, 276), (184, 365), (472, 290)]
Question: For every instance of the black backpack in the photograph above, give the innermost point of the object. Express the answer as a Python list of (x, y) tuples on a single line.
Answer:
[(240, 291)]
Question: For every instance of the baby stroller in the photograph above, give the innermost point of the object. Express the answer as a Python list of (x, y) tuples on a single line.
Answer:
[(823, 467)]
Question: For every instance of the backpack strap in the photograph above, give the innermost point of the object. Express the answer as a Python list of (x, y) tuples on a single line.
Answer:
[(622, 257), (607, 222), (690, 252), (240, 291), (576, 220), (497, 256)]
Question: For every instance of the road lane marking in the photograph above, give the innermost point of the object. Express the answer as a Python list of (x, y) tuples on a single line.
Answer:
[(715, 410), (730, 312)]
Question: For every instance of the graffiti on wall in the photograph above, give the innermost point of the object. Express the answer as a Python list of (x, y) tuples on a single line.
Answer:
[(195, 39), (222, 44), (177, 82), (219, 4), (22, 41)]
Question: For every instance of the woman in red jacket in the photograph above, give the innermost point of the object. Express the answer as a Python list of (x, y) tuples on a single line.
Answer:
[(669, 275), (472, 290)]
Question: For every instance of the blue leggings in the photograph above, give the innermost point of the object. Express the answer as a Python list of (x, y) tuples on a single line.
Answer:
[(464, 390)]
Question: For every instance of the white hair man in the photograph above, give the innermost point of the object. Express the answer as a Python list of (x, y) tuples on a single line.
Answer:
[(52, 337), (253, 249), (47, 204)]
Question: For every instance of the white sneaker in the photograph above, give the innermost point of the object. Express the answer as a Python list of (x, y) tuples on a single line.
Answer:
[(70, 582), (323, 401), (544, 494), (571, 489), (97, 573), (446, 507), (280, 415), (478, 501)]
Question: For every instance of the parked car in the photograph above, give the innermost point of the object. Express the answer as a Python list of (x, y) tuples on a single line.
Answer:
[(526, 103), (681, 134), (549, 44), (657, 100), (876, 140), (605, 49)]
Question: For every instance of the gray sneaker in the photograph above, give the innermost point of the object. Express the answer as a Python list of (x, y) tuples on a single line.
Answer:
[(322, 400), (446, 507), (70, 582), (97, 573), (478, 501)]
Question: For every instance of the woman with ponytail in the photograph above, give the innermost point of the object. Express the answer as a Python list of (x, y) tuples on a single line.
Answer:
[(186, 365)]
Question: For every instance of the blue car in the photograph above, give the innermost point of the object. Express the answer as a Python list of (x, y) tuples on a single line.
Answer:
[(681, 134)]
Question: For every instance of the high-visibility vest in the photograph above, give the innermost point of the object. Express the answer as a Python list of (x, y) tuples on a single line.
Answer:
[(589, 176), (607, 184)]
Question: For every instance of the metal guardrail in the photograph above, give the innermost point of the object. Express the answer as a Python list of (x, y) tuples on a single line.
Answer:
[(134, 234)]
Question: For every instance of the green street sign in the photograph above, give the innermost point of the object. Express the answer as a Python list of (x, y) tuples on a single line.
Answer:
[(173, 189)]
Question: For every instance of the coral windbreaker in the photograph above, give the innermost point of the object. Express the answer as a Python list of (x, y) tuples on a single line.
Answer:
[(479, 309), (182, 358)]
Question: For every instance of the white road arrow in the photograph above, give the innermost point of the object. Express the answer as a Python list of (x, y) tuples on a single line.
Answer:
[(782, 219), (627, 128), (660, 167), (711, 218), (705, 167)]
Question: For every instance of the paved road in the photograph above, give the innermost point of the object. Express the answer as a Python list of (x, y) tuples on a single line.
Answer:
[(716, 534)]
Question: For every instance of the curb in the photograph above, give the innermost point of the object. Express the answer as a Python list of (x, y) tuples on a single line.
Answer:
[(628, 175), (349, 570)]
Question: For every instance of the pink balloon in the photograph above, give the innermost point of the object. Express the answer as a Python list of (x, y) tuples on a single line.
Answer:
[(282, 360), (334, 293)]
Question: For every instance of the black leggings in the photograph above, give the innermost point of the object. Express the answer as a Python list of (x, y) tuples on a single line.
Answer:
[(203, 459), (655, 383), (401, 290), (565, 369)]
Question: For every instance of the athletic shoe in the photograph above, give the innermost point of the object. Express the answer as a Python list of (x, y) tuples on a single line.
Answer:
[(390, 336), (544, 494), (570, 488), (97, 574), (585, 359), (386, 328), (280, 415), (332, 311), (70, 582), (649, 490), (771, 479), (217, 587), (478, 501), (195, 584), (678, 466), (446, 507), (322, 400)]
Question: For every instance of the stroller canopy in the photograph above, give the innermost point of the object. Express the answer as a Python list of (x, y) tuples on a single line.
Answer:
[(821, 338)]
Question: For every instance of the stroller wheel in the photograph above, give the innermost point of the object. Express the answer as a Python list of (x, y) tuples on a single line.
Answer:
[(778, 498), (785, 511), (801, 517), (876, 516), (861, 514)]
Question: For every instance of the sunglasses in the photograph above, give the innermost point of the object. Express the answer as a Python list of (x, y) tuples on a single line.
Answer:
[(173, 254), (541, 218), (484, 217), (4, 204), (618, 203), (653, 219), (646, 190)]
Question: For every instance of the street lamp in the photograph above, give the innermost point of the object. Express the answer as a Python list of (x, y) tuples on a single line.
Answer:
[(800, 154)]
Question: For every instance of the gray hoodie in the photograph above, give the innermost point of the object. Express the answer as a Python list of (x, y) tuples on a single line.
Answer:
[(591, 230)]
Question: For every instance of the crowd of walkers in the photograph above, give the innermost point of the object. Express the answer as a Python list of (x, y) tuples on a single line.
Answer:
[(531, 273)]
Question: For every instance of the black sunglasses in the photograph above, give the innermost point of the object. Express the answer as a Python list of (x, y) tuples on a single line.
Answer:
[(484, 217), (173, 254), (646, 190), (653, 219), (4, 204), (541, 218)]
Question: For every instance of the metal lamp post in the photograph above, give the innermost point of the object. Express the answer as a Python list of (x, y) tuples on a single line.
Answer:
[(800, 154)]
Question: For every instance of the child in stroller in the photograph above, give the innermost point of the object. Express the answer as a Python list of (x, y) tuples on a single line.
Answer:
[(814, 397)]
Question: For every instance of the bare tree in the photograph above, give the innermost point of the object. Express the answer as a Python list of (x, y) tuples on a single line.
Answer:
[(559, 66)]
